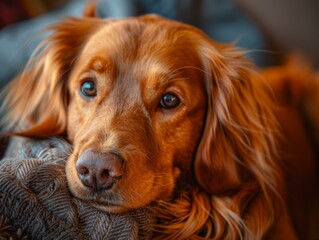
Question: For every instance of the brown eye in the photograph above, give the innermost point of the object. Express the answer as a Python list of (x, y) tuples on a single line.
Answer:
[(88, 89), (169, 101)]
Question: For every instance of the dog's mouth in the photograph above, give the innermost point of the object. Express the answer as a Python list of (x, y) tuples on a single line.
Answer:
[(108, 182), (118, 199), (107, 200)]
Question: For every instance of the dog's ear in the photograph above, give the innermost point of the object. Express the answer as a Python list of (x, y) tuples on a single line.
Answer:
[(238, 140), (34, 104)]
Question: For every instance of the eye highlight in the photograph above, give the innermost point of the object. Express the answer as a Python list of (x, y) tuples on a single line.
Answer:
[(88, 89), (169, 101)]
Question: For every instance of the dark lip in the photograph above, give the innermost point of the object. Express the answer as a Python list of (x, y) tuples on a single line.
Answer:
[(96, 199)]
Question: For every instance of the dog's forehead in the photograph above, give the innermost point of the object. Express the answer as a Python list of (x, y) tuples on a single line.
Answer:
[(133, 39), (140, 48)]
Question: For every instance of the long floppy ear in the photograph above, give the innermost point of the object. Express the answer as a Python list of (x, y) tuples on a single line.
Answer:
[(236, 161), (239, 140), (35, 103)]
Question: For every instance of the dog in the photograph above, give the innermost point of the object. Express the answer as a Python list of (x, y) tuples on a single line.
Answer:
[(159, 115)]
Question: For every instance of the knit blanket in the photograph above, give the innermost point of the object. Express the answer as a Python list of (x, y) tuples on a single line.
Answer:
[(35, 202)]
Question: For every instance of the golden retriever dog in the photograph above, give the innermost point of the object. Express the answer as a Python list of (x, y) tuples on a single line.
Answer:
[(159, 115)]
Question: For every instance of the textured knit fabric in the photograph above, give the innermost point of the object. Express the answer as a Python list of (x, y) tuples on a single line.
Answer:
[(35, 202)]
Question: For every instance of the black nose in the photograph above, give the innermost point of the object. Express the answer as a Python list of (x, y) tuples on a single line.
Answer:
[(99, 170)]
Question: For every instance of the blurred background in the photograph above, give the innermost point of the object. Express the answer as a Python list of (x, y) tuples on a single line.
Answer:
[(268, 29)]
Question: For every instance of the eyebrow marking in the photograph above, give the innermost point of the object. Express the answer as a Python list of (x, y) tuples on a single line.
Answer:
[(100, 64), (97, 65)]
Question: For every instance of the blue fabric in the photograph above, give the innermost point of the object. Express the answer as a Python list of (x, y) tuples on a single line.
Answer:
[(220, 19)]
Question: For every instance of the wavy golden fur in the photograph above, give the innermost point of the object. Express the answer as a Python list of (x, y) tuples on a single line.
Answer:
[(208, 167)]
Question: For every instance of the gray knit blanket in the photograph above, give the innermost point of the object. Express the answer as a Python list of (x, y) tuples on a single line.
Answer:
[(35, 202)]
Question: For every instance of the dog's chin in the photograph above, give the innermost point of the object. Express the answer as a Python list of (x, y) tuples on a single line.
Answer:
[(124, 195), (107, 201), (110, 207), (112, 201), (107, 206)]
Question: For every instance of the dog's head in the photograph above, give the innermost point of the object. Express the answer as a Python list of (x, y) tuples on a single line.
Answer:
[(136, 110), (146, 102)]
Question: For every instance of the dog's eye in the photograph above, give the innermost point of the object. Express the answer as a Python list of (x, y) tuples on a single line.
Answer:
[(169, 101), (88, 89)]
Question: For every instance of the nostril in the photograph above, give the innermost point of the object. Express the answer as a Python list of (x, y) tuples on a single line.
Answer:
[(86, 177), (82, 170), (105, 173)]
